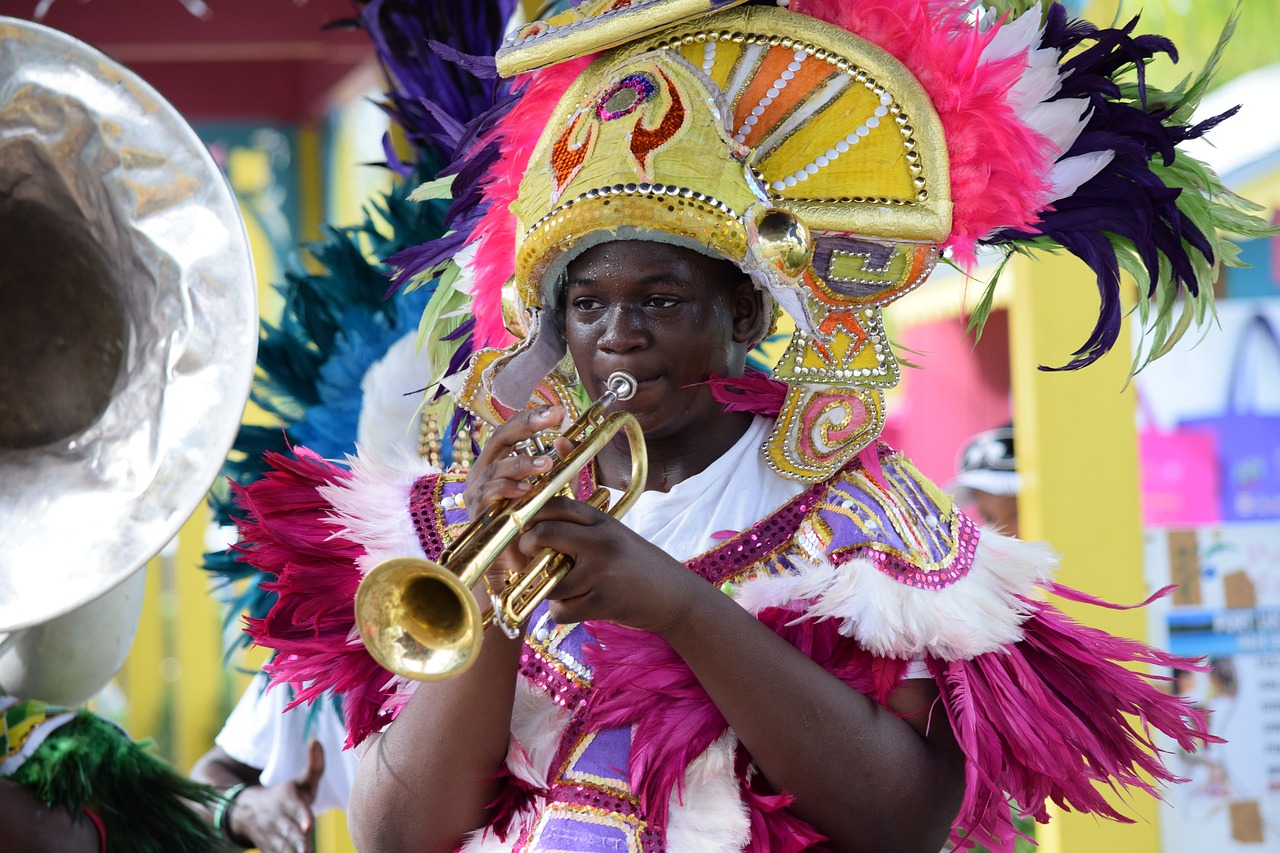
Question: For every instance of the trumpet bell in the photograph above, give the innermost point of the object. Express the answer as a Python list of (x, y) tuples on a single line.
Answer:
[(418, 620)]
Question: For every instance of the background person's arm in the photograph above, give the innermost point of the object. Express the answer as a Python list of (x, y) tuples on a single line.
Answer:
[(31, 826)]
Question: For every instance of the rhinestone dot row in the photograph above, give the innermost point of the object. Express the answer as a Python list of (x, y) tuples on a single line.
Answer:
[(844, 65), (784, 77)]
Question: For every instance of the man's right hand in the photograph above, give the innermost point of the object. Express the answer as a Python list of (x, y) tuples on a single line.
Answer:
[(278, 818)]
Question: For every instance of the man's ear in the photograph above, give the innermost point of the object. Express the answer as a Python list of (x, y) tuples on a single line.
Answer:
[(748, 311)]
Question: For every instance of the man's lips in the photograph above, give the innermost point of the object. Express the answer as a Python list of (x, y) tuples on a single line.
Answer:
[(641, 381)]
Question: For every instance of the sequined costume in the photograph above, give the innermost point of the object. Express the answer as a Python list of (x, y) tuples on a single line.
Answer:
[(873, 573)]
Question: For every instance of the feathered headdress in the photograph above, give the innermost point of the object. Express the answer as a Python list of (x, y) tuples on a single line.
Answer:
[(862, 140)]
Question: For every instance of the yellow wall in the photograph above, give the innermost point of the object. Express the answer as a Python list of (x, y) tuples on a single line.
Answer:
[(1077, 457)]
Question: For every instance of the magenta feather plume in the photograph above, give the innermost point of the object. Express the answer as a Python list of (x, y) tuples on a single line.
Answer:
[(640, 680), (1057, 713), (288, 533), (495, 233), (1039, 721)]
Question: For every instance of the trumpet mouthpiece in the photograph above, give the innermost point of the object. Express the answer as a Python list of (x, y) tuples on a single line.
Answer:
[(621, 385)]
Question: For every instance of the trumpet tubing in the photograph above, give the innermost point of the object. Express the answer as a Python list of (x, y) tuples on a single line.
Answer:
[(420, 619)]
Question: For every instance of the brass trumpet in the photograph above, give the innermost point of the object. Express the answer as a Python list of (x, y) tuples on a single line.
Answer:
[(419, 619)]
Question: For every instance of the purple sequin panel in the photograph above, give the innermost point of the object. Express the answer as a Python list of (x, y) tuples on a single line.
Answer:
[(424, 509), (564, 834), (553, 662), (907, 534), (753, 545), (606, 756), (430, 517)]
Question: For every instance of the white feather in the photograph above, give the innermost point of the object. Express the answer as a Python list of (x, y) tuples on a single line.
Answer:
[(373, 505), (1040, 78), (1039, 82), (483, 841), (979, 613), (1061, 122), (537, 726), (710, 817), (1014, 37), (391, 392), (1070, 173)]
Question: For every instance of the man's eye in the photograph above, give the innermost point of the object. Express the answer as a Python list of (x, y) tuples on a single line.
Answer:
[(663, 301), (584, 304)]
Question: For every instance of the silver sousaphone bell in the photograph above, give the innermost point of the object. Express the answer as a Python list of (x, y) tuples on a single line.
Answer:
[(128, 333)]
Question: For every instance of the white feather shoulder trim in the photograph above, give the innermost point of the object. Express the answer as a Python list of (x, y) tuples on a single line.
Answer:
[(710, 816), (372, 505), (979, 613)]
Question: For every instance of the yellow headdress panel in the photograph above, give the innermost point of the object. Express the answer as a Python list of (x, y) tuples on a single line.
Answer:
[(637, 147), (839, 132)]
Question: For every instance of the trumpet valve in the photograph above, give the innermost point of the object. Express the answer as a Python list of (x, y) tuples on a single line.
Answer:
[(539, 444)]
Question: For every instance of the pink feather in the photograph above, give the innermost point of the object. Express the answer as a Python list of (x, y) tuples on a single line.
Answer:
[(752, 392), (288, 532), (1055, 714), (1039, 721), (638, 679), (495, 233)]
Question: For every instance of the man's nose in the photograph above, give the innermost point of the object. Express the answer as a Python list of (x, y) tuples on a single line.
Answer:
[(624, 329)]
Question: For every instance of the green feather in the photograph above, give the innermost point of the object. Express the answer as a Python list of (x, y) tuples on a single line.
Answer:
[(144, 804)]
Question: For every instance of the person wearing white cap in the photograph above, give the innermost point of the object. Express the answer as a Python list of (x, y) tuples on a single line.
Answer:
[(988, 479)]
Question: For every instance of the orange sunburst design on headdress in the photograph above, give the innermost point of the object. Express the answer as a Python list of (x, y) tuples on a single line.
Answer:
[(777, 103), (566, 158), (645, 141)]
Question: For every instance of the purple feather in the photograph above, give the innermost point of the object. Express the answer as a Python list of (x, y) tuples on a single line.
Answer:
[(480, 67), (1126, 199), (429, 49)]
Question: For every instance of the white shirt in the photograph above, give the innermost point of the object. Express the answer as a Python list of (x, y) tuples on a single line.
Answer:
[(731, 494)]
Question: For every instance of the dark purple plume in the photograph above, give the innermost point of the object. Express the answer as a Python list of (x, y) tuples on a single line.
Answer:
[(1128, 206), (430, 52)]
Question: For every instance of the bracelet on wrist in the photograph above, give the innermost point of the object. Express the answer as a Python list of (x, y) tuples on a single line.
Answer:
[(222, 812)]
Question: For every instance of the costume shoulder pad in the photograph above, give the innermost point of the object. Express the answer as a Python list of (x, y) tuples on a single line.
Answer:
[(907, 574)]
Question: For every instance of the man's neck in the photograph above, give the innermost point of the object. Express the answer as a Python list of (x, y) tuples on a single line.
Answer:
[(673, 460)]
